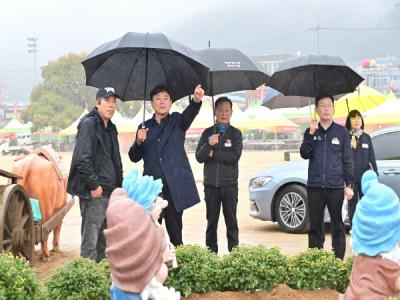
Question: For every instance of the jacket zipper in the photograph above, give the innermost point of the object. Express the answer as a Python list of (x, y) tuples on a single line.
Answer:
[(216, 178), (323, 176)]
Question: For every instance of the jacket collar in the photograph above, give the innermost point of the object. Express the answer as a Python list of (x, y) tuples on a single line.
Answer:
[(94, 113), (154, 121), (323, 129)]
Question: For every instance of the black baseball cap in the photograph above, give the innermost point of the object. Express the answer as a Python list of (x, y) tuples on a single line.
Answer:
[(106, 92)]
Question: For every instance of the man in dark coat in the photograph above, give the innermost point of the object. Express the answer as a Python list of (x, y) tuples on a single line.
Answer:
[(161, 146), (220, 148), (96, 170), (330, 175)]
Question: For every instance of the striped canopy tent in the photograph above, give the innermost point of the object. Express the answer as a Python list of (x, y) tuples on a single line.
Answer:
[(260, 117), (297, 115), (388, 113), (362, 99), (16, 126)]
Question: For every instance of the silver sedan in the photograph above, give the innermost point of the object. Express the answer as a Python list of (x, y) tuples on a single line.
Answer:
[(279, 193)]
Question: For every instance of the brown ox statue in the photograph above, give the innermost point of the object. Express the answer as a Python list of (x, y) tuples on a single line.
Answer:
[(45, 180)]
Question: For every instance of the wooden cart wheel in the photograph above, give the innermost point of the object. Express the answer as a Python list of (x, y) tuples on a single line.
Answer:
[(16, 223)]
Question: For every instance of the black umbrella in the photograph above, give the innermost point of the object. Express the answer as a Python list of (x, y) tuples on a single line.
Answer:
[(136, 62), (230, 70), (314, 75), (274, 99)]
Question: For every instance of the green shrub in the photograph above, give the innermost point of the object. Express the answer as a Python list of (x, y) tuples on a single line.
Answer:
[(104, 267), (81, 279), (17, 279), (253, 267), (344, 274), (315, 269), (197, 270)]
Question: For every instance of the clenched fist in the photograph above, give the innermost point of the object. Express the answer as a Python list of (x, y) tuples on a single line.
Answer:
[(198, 93), (141, 135)]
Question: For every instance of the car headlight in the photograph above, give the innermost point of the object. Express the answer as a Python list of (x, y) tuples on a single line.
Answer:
[(260, 181)]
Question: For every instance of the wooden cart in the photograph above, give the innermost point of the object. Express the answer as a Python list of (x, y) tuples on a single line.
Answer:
[(18, 232)]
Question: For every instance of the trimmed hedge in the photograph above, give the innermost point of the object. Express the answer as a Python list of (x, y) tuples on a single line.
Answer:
[(80, 280), (250, 268), (198, 270), (17, 280), (247, 268)]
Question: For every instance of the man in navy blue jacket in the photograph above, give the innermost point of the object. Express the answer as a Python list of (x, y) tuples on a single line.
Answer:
[(330, 175), (161, 146)]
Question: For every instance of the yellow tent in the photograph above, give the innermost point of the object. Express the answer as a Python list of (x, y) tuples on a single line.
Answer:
[(73, 128), (205, 117), (363, 100)]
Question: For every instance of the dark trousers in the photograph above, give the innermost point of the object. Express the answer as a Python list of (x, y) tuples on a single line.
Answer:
[(228, 197), (173, 219), (93, 213), (353, 202), (318, 198)]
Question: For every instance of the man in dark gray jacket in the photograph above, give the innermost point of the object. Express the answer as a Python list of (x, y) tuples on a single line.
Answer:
[(330, 175), (96, 170), (220, 148)]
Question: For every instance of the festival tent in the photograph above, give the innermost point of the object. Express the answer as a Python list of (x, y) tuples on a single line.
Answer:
[(388, 113), (73, 128), (260, 117), (16, 126)]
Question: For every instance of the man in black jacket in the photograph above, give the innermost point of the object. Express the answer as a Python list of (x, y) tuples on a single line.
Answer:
[(96, 170), (330, 175), (161, 146), (220, 148)]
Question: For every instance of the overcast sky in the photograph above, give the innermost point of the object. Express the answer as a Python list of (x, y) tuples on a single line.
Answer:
[(254, 26)]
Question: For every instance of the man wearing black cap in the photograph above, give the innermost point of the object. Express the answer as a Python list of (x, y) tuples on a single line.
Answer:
[(96, 170)]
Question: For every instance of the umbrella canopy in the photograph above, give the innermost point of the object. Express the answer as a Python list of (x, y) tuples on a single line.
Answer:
[(230, 70), (314, 75), (363, 99), (274, 99), (136, 62)]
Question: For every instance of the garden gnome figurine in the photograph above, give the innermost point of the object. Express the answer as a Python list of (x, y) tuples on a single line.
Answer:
[(376, 243), (137, 245)]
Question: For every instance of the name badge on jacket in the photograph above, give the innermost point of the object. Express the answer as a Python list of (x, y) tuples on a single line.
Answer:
[(365, 146), (228, 143), (335, 141)]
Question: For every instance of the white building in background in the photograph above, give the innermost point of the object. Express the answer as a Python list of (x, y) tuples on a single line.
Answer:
[(269, 63), (382, 73)]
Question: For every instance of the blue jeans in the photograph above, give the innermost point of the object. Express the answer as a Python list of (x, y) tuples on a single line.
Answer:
[(93, 213), (118, 294)]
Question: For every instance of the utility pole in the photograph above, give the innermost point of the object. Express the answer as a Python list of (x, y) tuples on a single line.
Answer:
[(33, 48), (317, 29)]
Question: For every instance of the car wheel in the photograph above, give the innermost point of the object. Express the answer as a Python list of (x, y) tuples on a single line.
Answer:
[(291, 209)]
